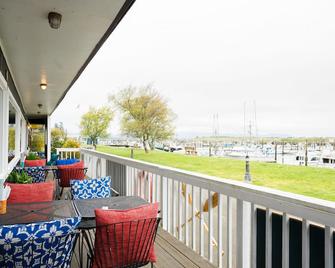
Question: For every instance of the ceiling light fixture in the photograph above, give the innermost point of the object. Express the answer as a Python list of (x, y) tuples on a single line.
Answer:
[(54, 20), (43, 86)]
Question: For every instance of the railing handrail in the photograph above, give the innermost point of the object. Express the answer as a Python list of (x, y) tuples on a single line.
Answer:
[(68, 149), (314, 209)]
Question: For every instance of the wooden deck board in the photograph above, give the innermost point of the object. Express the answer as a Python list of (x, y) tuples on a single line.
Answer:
[(173, 253)]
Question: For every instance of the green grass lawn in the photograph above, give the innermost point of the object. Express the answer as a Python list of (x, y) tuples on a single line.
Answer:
[(310, 181)]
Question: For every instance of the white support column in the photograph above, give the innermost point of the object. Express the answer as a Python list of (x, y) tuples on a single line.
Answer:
[(48, 138), (4, 156)]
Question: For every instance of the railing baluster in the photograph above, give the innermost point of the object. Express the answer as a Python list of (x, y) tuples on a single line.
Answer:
[(210, 227), (253, 241), (194, 247), (220, 226), (239, 233), (168, 207), (162, 201), (173, 218), (180, 211), (201, 225), (187, 242), (157, 188), (329, 244), (286, 240), (268, 237), (229, 233), (305, 243)]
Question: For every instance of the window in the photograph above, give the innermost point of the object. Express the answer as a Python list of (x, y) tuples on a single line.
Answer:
[(11, 132)]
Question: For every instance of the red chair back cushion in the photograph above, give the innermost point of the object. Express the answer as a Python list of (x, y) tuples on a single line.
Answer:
[(128, 243), (70, 172), (31, 192), (35, 163)]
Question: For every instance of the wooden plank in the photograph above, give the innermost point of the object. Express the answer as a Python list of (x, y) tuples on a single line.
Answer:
[(174, 253), (184, 250), (164, 259)]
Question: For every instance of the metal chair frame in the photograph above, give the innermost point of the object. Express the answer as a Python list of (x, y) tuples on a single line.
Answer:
[(137, 251)]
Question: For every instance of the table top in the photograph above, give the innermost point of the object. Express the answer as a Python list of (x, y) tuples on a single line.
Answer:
[(86, 207), (37, 212), (59, 209)]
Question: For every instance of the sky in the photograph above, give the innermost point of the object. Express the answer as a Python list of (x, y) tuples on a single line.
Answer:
[(217, 57)]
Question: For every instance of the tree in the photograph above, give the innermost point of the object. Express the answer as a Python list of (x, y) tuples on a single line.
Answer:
[(145, 115), (37, 142), (72, 143), (58, 136), (95, 122)]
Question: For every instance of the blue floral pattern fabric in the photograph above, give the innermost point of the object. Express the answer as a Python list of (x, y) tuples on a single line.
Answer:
[(91, 188), (43, 244), (37, 173)]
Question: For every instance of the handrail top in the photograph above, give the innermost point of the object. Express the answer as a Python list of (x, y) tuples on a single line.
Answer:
[(212, 183), (68, 149)]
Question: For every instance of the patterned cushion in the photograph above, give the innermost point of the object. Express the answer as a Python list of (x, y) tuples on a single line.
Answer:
[(37, 173), (91, 188), (44, 244)]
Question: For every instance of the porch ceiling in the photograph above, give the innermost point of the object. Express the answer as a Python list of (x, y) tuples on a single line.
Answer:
[(37, 53)]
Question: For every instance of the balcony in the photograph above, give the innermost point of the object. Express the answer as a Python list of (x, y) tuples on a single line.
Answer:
[(206, 221)]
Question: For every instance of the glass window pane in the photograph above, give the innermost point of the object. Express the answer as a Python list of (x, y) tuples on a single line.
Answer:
[(11, 132)]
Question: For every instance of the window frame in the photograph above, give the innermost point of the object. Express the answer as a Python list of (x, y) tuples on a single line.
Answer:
[(20, 131)]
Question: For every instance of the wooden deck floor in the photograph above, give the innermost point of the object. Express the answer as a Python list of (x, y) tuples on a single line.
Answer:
[(172, 253)]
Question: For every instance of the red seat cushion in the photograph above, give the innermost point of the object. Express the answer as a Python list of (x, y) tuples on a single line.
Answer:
[(31, 192), (35, 163), (131, 235)]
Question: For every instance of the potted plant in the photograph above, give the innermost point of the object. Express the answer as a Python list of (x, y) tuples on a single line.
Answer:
[(33, 160), (24, 191)]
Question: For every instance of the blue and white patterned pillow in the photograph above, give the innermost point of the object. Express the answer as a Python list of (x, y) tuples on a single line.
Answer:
[(37, 173), (43, 244), (91, 188)]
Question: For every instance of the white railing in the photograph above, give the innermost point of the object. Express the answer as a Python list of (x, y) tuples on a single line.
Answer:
[(223, 228), (65, 153)]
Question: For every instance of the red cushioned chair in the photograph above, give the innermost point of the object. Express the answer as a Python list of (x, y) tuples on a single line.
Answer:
[(31, 192), (66, 173), (125, 238)]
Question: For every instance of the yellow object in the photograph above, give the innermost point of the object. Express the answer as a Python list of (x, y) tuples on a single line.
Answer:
[(3, 206)]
